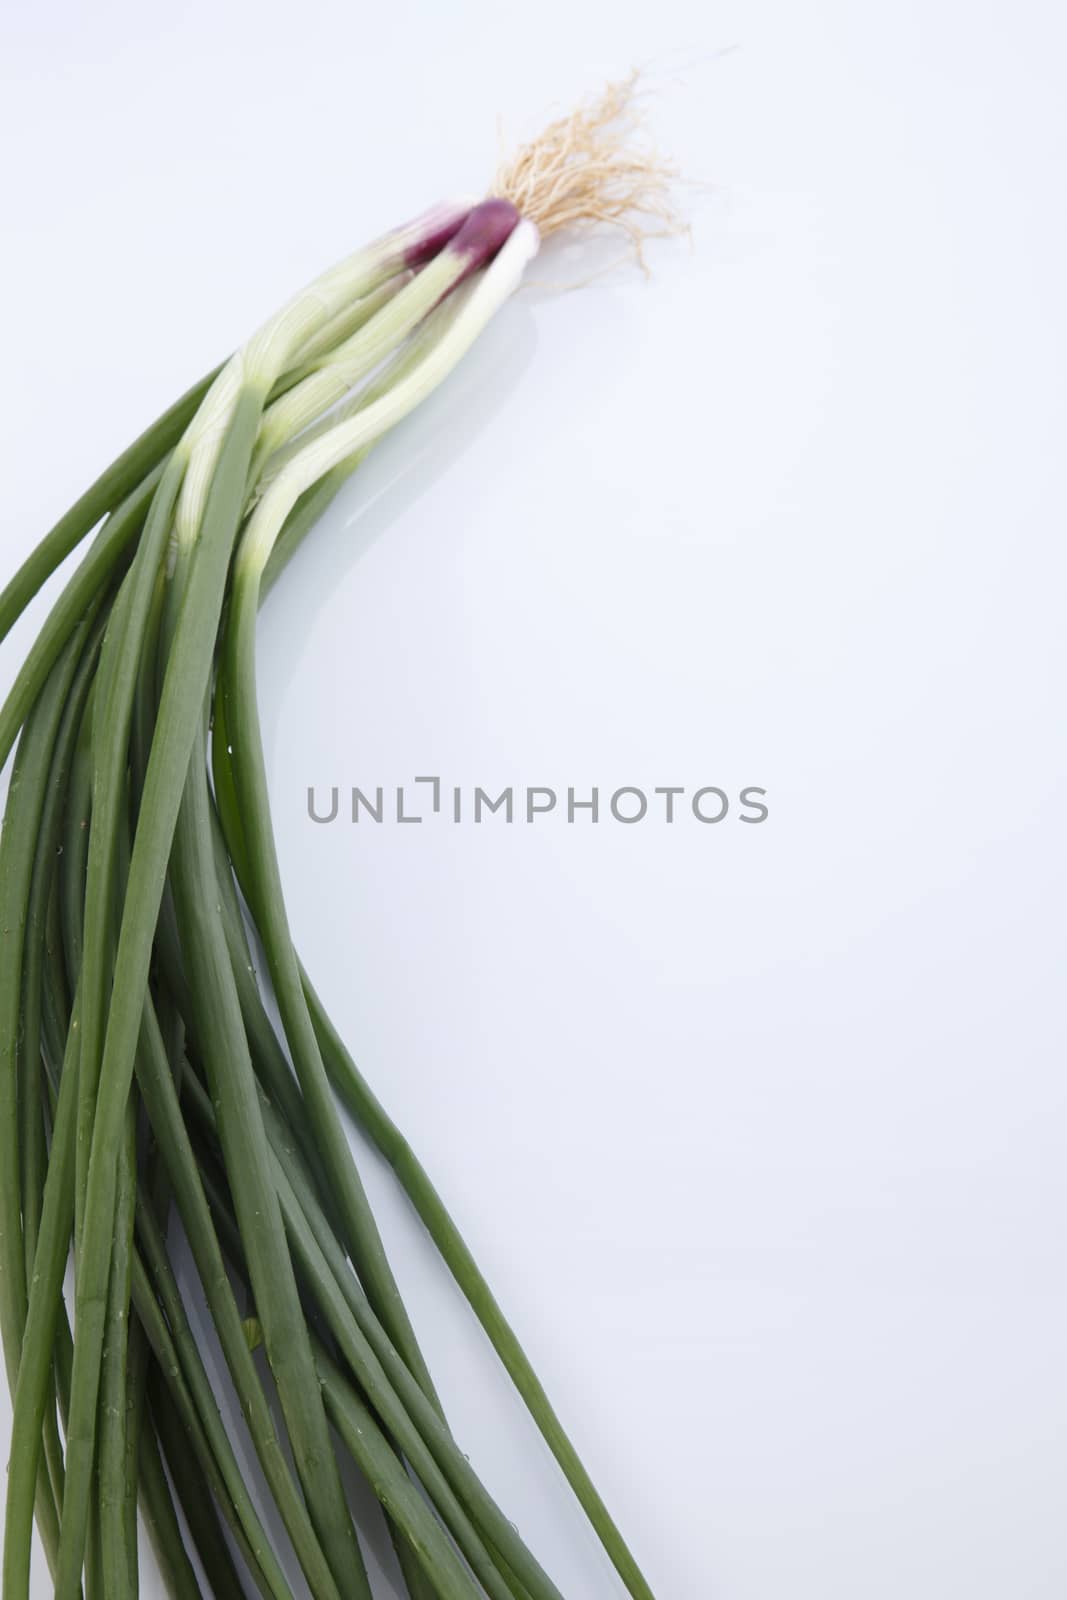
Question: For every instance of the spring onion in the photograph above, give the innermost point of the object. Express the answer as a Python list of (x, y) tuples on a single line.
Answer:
[(140, 1070)]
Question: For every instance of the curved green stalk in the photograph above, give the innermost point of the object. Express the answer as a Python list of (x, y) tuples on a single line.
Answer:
[(131, 468), (115, 1563), (331, 1292), (398, 1495), (34, 1372), (193, 1495), (184, 687), (119, 671), (75, 848), (387, 1138), (87, 582), (164, 1529)]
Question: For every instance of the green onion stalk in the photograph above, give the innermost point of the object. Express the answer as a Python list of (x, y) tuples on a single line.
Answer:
[(141, 1072)]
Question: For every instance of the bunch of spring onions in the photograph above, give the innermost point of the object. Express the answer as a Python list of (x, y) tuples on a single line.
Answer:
[(141, 1073)]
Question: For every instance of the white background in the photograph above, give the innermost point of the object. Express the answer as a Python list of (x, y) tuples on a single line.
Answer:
[(758, 1132)]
